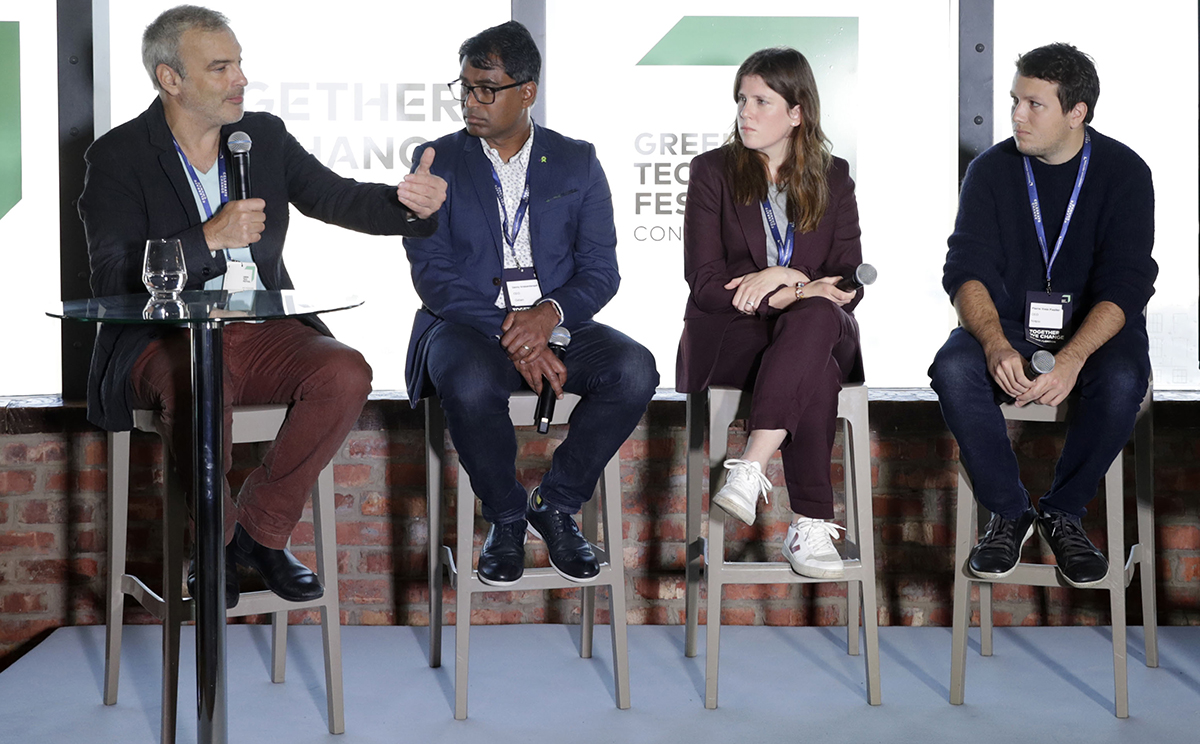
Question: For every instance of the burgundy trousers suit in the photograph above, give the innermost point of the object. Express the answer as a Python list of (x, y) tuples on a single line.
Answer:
[(795, 360)]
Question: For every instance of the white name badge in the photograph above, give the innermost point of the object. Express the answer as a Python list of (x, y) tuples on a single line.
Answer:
[(1043, 315), (240, 276), (521, 288), (1047, 318)]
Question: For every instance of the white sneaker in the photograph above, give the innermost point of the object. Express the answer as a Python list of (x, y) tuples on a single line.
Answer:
[(808, 547), (744, 483)]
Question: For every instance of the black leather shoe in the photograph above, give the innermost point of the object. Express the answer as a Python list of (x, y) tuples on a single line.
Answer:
[(232, 588), (502, 559), (283, 574), (1079, 561), (999, 550), (570, 554)]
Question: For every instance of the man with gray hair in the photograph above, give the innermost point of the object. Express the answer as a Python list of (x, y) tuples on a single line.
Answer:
[(163, 175)]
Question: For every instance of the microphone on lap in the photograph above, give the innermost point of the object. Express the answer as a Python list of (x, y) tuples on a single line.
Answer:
[(559, 338), (865, 274), (1040, 363), (239, 147)]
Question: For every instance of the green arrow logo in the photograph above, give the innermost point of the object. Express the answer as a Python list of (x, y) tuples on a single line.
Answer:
[(10, 116), (727, 40)]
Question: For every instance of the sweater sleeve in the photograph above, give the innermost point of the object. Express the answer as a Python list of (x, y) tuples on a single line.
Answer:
[(1124, 272), (975, 251)]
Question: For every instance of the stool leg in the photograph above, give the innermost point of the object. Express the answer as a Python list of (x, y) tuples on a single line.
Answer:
[(694, 546), (279, 627), (118, 521), (618, 620), (466, 578), (587, 611), (1143, 448), (850, 488), (435, 452), (964, 540), (1115, 519), (325, 543), (174, 530), (713, 573), (858, 435), (985, 618)]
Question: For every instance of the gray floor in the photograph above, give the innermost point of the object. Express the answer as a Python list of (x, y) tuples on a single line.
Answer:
[(528, 684)]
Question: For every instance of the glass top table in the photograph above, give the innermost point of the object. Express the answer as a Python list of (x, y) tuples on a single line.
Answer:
[(205, 313), (202, 306)]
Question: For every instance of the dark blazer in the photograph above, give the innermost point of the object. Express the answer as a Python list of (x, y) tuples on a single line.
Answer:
[(457, 270), (723, 240), (136, 188)]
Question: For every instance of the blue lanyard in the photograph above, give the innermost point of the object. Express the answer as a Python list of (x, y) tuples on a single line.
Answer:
[(784, 246), (1047, 256), (208, 211), (510, 239)]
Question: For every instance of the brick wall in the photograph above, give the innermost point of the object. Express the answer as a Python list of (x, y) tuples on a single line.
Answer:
[(53, 521)]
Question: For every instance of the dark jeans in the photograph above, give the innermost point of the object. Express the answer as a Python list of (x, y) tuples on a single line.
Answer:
[(614, 376), (324, 382), (1103, 406)]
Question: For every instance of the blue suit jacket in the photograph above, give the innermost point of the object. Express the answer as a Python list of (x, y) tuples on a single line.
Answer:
[(457, 270)]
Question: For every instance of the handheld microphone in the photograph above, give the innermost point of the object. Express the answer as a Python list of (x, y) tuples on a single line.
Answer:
[(239, 147), (1040, 363), (865, 274), (559, 338)]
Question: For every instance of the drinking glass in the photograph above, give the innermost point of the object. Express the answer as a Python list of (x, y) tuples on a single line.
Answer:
[(163, 271)]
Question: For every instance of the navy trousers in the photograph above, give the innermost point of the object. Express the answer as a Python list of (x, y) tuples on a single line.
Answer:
[(1102, 410), (473, 377)]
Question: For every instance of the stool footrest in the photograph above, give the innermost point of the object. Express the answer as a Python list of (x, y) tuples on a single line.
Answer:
[(777, 572), (144, 595), (451, 566)]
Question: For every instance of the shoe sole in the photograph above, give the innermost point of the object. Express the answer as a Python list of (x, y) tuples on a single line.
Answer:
[(818, 573), (982, 575), (493, 582), (735, 510), (559, 571)]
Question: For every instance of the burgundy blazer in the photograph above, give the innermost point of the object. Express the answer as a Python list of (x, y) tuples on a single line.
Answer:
[(723, 240)]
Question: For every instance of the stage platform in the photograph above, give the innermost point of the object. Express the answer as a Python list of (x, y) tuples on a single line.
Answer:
[(528, 684)]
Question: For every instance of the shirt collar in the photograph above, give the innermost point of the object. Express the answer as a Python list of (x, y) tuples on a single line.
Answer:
[(521, 158)]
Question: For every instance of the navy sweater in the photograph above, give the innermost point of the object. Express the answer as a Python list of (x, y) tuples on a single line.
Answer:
[(1105, 256)]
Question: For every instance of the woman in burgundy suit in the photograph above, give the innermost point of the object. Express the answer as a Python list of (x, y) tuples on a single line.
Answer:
[(771, 226)]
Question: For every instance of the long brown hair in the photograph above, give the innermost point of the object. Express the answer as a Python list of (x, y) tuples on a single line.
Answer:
[(788, 73)]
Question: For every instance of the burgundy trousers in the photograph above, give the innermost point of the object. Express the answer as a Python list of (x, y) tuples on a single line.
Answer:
[(795, 363), (324, 382)]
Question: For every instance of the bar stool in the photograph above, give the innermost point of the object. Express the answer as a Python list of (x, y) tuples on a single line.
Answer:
[(724, 406), (1120, 574), (466, 580), (250, 424)]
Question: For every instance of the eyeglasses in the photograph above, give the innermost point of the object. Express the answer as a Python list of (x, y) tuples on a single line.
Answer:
[(485, 94)]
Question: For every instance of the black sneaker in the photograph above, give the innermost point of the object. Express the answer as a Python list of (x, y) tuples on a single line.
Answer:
[(570, 554), (1079, 561), (502, 559), (999, 550)]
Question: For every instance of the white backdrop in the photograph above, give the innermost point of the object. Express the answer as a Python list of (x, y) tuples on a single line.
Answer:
[(30, 354), (359, 81), (896, 125)]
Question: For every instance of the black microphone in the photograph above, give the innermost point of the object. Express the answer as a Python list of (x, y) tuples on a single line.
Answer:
[(1040, 363), (559, 338), (239, 147), (865, 274)]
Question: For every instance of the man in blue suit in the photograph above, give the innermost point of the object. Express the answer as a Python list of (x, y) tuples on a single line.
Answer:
[(526, 244)]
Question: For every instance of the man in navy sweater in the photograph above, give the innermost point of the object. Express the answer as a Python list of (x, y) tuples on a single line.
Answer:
[(1051, 249)]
